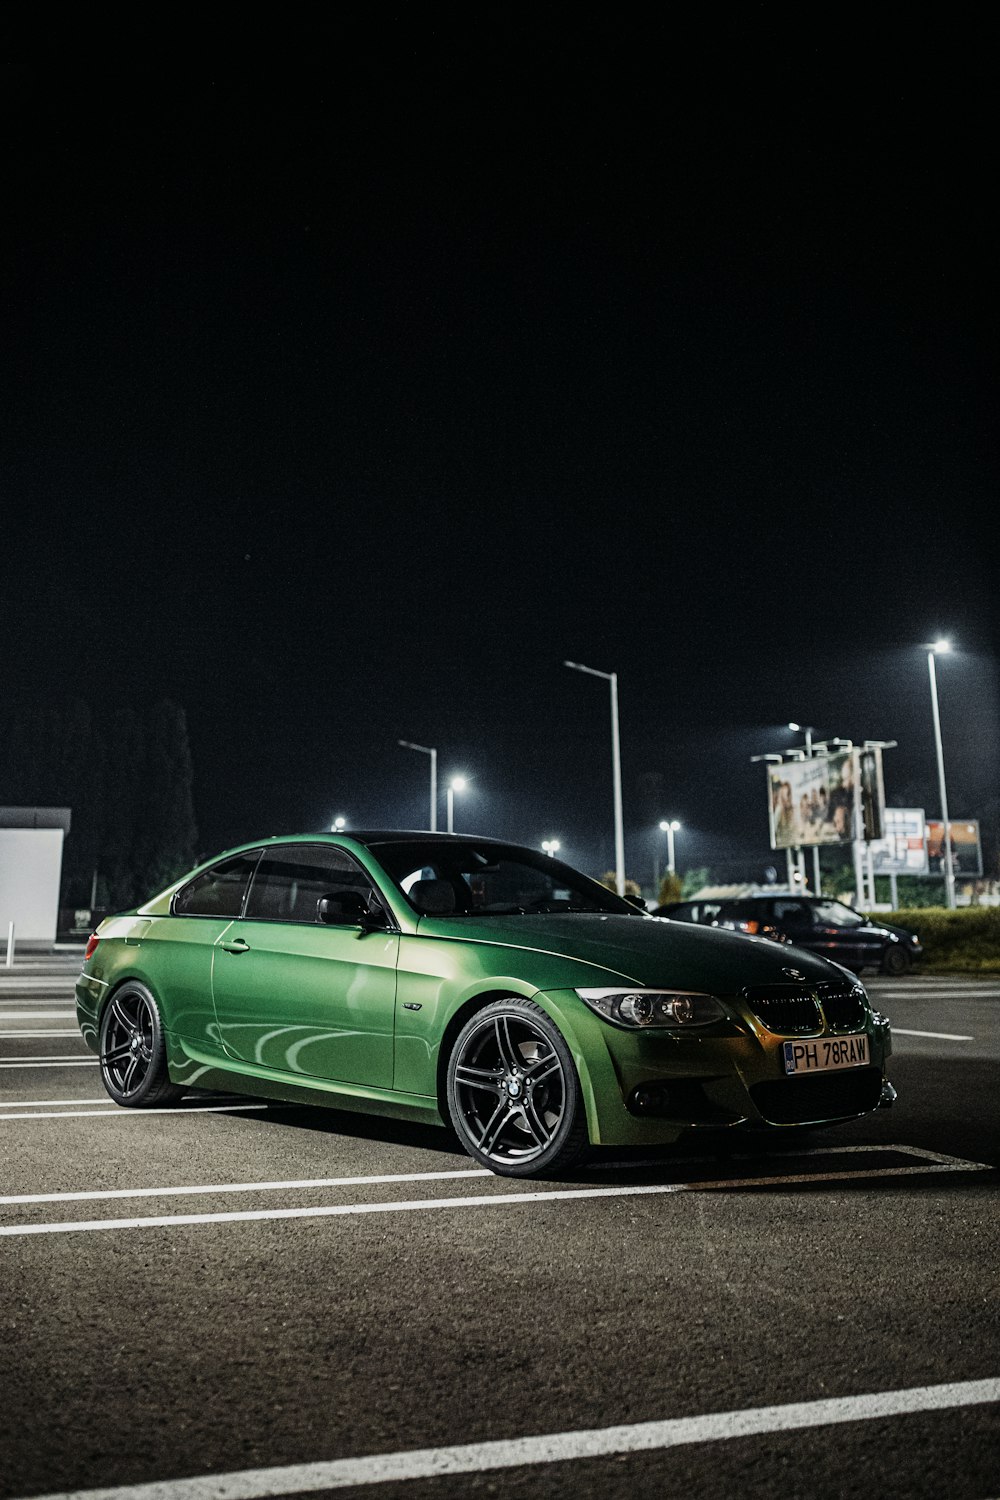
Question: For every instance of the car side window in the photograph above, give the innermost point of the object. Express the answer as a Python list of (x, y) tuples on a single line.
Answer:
[(836, 914), (794, 913), (217, 892), (291, 881)]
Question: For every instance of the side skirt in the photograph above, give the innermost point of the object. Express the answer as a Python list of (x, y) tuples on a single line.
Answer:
[(191, 1070)]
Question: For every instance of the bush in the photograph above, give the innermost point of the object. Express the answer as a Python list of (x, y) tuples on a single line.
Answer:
[(967, 940)]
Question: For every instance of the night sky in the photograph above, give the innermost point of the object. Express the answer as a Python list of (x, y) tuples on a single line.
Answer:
[(359, 372)]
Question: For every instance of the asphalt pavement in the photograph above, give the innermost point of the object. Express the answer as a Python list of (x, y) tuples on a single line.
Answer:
[(233, 1299)]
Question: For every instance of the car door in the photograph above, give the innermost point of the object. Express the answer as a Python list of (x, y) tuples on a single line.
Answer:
[(843, 935), (794, 919), (179, 949), (297, 996)]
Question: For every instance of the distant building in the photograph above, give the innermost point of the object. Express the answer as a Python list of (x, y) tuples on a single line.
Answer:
[(31, 852)]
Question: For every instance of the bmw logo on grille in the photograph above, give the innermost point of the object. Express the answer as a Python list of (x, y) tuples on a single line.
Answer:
[(793, 973)]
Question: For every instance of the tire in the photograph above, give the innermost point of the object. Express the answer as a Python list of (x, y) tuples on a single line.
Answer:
[(895, 960), (513, 1093), (133, 1052)]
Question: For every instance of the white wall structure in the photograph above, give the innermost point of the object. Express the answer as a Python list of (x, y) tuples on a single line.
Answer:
[(30, 871)]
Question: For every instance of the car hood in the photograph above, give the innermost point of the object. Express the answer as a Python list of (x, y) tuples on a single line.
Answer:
[(651, 953), (904, 934)]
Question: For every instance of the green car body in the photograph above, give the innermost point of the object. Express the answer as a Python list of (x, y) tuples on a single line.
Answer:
[(366, 1014)]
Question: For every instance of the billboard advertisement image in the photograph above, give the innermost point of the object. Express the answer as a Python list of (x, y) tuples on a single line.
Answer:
[(830, 799), (966, 849), (903, 849)]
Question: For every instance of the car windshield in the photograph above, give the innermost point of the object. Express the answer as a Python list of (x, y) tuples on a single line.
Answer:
[(469, 879), (836, 914)]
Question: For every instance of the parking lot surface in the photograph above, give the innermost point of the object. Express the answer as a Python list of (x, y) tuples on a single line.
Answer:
[(238, 1299)]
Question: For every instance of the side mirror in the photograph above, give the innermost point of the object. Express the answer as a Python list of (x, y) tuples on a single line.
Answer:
[(342, 909), (636, 901)]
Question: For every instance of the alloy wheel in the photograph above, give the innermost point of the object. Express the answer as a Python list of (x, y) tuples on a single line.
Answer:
[(128, 1045), (510, 1088)]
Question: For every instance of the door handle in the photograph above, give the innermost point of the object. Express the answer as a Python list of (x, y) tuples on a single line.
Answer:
[(236, 946)]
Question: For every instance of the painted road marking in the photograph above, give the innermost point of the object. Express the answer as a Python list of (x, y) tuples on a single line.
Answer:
[(54, 1056), (46, 1103), (937, 1036), (245, 1187), (35, 1031), (37, 1015), (132, 1114), (291, 1184), (491, 1200), (86, 1062), (551, 1447)]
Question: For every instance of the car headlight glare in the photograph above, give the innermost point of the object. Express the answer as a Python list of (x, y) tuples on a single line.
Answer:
[(675, 1010)]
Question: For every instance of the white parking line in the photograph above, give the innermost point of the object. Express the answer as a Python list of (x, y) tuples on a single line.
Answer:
[(551, 1447), (130, 1114), (35, 1031), (293, 1184), (46, 1103), (49, 1057), (37, 1015), (937, 1036), (489, 1200), (244, 1187), (85, 1062)]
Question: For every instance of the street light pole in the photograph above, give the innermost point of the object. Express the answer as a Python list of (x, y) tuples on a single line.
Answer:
[(616, 768), (670, 827), (426, 750), (940, 648), (456, 784)]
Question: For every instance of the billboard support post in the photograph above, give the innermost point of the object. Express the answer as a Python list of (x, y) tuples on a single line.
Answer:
[(859, 879), (894, 891)]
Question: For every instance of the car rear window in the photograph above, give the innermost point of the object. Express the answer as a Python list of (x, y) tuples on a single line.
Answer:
[(217, 892)]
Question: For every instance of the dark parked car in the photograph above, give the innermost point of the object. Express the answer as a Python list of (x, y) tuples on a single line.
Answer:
[(813, 922)]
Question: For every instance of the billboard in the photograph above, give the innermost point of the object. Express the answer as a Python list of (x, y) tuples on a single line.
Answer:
[(830, 799), (903, 848), (966, 848)]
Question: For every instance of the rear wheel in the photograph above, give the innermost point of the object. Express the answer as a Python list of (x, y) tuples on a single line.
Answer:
[(133, 1052), (513, 1093)]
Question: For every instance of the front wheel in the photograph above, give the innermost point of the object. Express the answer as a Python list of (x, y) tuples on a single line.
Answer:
[(513, 1093), (133, 1052), (895, 960)]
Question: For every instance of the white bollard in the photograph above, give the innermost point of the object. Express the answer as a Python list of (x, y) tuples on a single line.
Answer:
[(10, 945)]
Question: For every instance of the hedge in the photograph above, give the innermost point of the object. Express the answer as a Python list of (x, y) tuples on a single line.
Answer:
[(966, 940)]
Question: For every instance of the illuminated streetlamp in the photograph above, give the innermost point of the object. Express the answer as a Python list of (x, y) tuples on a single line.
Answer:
[(456, 784), (339, 824), (426, 750), (670, 828), (808, 732), (550, 846), (616, 768), (941, 648)]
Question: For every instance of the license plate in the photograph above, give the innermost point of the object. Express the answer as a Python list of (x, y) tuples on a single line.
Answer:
[(826, 1054)]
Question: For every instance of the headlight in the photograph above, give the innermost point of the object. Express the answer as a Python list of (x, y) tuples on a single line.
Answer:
[(676, 1009)]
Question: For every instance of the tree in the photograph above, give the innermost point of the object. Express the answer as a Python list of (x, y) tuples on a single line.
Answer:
[(610, 879), (671, 888), (166, 834), (128, 785)]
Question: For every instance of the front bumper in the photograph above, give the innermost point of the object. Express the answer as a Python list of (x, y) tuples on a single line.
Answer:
[(649, 1087)]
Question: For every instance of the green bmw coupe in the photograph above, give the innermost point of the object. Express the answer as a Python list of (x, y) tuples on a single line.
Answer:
[(440, 978)]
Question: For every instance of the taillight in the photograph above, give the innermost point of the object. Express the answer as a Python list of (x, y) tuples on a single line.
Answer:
[(91, 947)]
